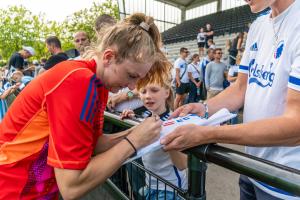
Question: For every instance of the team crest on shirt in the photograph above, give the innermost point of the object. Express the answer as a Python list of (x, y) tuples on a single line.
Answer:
[(279, 50), (261, 75)]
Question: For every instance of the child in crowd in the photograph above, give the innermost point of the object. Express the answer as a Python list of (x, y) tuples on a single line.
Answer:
[(211, 44), (156, 93), (201, 41), (3, 96)]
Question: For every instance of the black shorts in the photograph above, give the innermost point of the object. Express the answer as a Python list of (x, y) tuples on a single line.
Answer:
[(184, 88), (201, 44)]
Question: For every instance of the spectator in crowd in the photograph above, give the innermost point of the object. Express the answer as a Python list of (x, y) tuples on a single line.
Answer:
[(181, 77), (102, 22), (43, 61), (233, 70), (209, 33), (17, 62), (57, 119), (226, 50), (4, 93), (17, 78), (271, 122), (201, 41), (156, 93), (81, 41), (203, 63), (195, 79), (54, 47), (211, 44), (236, 46), (215, 74)]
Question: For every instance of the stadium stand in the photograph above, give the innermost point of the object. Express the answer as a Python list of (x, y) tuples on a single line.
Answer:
[(228, 21)]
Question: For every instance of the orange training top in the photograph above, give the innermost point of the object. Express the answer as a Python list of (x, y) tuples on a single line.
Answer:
[(54, 122)]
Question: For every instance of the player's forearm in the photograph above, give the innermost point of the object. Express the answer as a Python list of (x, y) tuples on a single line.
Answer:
[(100, 168), (107, 141), (279, 131)]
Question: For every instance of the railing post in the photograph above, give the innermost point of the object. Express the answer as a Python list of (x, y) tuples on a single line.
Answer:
[(197, 175)]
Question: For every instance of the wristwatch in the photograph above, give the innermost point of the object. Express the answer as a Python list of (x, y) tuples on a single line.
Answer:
[(130, 94)]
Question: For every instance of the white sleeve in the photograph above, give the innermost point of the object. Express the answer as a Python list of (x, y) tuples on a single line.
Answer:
[(177, 64), (294, 79), (231, 71), (244, 65), (190, 68)]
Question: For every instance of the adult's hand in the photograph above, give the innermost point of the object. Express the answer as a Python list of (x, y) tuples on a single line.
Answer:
[(187, 136), (146, 132), (116, 99), (195, 108)]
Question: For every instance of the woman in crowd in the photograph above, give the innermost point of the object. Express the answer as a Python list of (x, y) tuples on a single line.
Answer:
[(51, 131), (195, 79)]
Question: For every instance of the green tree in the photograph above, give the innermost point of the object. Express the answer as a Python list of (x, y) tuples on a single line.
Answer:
[(18, 26), (85, 20)]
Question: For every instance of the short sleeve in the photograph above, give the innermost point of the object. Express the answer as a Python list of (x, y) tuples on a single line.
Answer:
[(231, 71), (244, 65), (70, 107), (190, 68), (53, 60), (177, 64), (294, 77)]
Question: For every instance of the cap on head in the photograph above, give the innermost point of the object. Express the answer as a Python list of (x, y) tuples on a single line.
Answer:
[(29, 50)]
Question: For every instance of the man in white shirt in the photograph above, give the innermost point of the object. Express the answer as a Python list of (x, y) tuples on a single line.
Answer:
[(182, 79), (268, 86)]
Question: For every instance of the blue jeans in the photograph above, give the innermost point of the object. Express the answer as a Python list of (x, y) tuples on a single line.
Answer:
[(248, 191), (193, 96), (152, 194)]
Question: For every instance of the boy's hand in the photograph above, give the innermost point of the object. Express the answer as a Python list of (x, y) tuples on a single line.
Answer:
[(127, 113)]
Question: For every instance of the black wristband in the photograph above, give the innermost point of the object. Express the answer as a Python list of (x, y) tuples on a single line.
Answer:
[(135, 151)]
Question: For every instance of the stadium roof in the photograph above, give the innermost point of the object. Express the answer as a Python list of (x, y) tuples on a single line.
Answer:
[(186, 3)]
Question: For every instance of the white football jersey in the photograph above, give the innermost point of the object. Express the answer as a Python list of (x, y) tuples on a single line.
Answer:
[(272, 66)]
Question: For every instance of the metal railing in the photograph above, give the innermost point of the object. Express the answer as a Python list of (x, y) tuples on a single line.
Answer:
[(273, 174)]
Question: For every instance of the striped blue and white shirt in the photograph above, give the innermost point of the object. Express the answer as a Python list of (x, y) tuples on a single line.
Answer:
[(3, 105), (160, 163)]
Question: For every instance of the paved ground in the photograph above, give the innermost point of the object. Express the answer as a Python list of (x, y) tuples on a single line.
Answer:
[(222, 184)]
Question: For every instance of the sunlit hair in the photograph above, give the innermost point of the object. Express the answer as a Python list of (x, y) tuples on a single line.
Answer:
[(129, 40), (160, 74)]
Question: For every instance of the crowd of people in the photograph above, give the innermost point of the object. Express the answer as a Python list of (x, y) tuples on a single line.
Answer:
[(51, 136)]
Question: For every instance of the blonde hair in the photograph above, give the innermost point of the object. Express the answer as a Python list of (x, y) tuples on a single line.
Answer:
[(130, 40), (160, 74)]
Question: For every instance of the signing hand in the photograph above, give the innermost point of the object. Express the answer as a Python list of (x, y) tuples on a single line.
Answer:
[(146, 132)]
